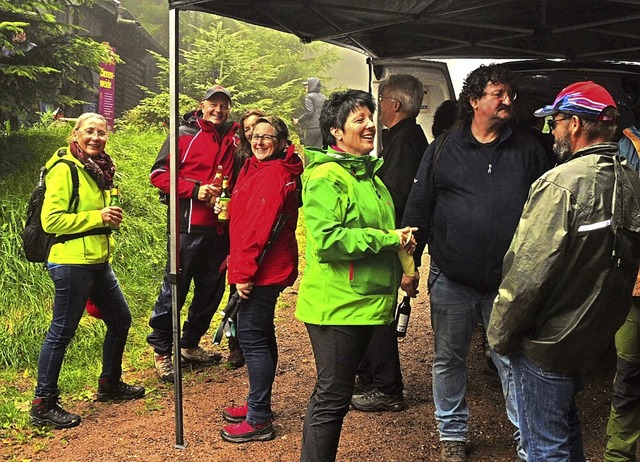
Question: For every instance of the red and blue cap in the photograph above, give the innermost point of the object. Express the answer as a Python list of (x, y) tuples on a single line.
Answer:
[(583, 99)]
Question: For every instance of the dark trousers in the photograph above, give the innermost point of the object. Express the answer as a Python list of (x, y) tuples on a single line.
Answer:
[(200, 258), (257, 336), (337, 351), (74, 285), (380, 366)]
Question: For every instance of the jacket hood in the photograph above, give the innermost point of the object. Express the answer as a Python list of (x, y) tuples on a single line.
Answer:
[(359, 166), (62, 153), (290, 161), (313, 85)]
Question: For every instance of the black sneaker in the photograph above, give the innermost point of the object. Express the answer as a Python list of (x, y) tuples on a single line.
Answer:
[(47, 411), (118, 391), (375, 401)]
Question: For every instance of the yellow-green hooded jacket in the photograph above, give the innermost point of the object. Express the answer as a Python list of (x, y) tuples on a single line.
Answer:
[(353, 272), (57, 219)]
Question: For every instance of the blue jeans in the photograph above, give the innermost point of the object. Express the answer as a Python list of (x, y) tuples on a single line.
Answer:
[(549, 422), (74, 285), (257, 337), (337, 351), (455, 312), (201, 255)]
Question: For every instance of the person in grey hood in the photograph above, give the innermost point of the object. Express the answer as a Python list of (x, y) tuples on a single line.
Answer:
[(309, 121), (569, 272)]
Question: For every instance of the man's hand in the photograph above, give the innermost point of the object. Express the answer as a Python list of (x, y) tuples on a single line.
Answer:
[(410, 284)]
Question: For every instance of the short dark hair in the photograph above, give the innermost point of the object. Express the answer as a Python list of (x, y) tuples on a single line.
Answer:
[(475, 84), (599, 129), (337, 108)]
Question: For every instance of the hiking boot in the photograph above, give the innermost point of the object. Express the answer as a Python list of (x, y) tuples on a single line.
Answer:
[(164, 367), (235, 414), (245, 432), (118, 391), (453, 451), (374, 401), (45, 410), (235, 358), (361, 385), (199, 356)]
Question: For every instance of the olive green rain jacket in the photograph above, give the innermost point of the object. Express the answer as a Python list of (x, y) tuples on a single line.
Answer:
[(353, 272), (572, 264)]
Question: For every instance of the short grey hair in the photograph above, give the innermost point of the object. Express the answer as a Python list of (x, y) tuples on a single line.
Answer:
[(406, 89)]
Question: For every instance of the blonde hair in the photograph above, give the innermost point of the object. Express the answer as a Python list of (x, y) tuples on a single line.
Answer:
[(82, 119)]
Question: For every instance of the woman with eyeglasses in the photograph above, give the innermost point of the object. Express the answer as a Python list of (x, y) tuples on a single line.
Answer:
[(263, 261), (78, 264)]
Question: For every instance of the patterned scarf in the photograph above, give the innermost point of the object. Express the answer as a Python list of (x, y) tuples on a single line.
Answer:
[(99, 167)]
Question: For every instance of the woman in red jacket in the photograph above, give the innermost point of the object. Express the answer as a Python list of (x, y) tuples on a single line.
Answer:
[(266, 194)]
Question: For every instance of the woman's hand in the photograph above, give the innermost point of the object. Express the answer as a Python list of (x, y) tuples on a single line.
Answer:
[(244, 289), (407, 241), (111, 216)]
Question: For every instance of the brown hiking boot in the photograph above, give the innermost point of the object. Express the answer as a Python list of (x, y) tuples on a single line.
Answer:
[(453, 451), (164, 367)]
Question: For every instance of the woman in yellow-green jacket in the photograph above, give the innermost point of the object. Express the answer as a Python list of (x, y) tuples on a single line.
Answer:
[(78, 264)]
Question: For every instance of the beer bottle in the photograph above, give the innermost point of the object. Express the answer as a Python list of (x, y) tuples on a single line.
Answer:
[(217, 184), (402, 316), (115, 202), (223, 201)]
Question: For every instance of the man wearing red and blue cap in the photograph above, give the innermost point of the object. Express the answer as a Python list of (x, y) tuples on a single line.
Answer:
[(569, 272)]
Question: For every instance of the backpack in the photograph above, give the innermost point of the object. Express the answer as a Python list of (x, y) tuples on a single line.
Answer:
[(36, 243)]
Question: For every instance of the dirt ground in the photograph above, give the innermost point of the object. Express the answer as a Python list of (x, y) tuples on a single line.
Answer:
[(144, 430)]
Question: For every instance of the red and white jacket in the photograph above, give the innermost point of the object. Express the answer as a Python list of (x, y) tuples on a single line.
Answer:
[(201, 148)]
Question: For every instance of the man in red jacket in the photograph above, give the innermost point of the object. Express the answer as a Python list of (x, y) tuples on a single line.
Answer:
[(206, 140)]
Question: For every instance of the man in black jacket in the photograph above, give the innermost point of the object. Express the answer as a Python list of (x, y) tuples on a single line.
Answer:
[(404, 142), (466, 206)]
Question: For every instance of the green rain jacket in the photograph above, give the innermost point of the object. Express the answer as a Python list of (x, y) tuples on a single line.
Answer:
[(58, 219), (353, 272), (568, 276)]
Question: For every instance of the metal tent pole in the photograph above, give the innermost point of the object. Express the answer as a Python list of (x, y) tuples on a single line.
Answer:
[(174, 225)]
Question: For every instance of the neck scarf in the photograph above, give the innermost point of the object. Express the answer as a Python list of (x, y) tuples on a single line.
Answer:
[(99, 167)]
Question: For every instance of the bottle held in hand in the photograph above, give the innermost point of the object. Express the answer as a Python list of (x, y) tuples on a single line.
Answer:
[(115, 202), (223, 202), (402, 316), (217, 184)]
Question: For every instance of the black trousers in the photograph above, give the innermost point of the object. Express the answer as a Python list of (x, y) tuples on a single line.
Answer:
[(337, 351), (380, 366)]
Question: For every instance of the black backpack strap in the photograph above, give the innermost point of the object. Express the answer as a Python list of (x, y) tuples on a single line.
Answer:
[(73, 204)]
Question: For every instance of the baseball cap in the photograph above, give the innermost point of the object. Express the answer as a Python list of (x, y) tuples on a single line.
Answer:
[(583, 99), (217, 89)]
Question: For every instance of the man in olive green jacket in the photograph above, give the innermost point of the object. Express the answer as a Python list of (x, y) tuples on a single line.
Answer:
[(569, 272)]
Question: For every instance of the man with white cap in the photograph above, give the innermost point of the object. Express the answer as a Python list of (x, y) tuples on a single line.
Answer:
[(206, 140), (569, 272)]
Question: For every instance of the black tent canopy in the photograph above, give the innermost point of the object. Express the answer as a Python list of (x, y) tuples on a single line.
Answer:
[(575, 30), (437, 29)]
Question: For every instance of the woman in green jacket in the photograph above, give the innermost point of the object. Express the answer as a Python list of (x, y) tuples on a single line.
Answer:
[(80, 269), (353, 272)]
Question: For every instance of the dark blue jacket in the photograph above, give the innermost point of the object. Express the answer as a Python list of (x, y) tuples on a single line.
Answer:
[(468, 208)]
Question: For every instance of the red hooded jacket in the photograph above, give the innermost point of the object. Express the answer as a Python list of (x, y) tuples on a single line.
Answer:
[(265, 190), (201, 147)]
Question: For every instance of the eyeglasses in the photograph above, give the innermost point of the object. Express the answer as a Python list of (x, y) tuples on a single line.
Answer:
[(553, 123), (263, 138), (502, 94), (381, 97), (91, 132)]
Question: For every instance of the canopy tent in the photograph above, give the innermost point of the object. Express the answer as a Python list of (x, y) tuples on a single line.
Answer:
[(418, 29), (488, 29)]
